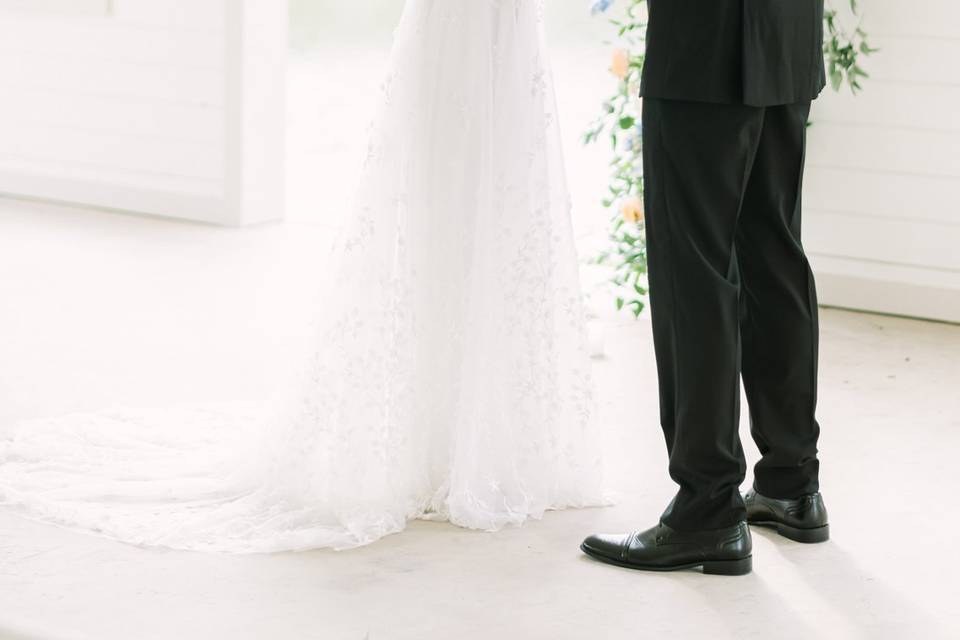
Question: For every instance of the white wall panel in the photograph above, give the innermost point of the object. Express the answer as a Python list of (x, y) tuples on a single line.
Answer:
[(913, 60), (923, 244), (885, 148), (72, 7), (145, 95), (882, 211), (902, 196), (921, 18)]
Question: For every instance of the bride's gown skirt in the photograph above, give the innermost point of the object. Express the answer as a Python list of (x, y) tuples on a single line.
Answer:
[(449, 379)]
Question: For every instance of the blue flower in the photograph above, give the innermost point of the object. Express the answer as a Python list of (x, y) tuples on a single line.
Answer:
[(600, 6)]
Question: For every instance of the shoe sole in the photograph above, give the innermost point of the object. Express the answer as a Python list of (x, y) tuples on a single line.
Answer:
[(739, 567), (806, 536)]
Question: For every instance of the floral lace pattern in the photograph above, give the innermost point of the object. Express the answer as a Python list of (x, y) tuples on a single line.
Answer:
[(449, 379)]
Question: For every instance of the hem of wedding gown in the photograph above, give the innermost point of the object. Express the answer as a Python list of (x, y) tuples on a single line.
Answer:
[(337, 539)]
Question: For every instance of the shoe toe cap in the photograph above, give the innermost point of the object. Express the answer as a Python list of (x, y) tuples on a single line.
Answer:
[(607, 545)]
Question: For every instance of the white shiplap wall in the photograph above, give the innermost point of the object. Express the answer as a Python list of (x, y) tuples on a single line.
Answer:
[(141, 104), (882, 196)]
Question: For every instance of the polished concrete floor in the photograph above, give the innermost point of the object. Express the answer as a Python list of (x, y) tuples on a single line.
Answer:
[(101, 309)]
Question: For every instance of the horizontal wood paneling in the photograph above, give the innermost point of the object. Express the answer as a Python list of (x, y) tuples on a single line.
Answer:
[(914, 60), (42, 175), (141, 119), (924, 244), (928, 107), (117, 79), (160, 14), (112, 151), (887, 288), (202, 15), (60, 7), (885, 148), (925, 18), (901, 196), (132, 97), (104, 39), (882, 214)]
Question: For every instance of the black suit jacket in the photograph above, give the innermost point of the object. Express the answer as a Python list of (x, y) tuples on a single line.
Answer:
[(753, 52)]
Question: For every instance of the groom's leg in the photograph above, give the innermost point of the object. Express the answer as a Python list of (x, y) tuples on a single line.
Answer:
[(697, 159), (779, 329)]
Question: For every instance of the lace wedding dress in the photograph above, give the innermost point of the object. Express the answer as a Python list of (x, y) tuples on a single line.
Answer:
[(449, 379)]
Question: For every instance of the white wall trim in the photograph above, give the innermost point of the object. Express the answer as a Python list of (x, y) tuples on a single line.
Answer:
[(888, 288), (114, 197), (255, 134)]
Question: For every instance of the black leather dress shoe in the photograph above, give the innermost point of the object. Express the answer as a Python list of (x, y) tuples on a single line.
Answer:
[(724, 552), (803, 519)]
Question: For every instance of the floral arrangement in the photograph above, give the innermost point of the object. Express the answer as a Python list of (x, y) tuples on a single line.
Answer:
[(619, 123)]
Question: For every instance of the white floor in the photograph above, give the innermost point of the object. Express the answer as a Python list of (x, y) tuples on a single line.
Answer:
[(101, 309)]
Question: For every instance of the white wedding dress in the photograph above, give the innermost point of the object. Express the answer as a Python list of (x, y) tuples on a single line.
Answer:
[(449, 379)]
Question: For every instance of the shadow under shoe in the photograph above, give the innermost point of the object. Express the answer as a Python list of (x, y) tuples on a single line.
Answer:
[(721, 551), (802, 519)]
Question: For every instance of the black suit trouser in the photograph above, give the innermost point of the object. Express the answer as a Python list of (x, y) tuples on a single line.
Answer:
[(731, 295)]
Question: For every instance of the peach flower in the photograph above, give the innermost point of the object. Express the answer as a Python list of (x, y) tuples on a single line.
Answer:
[(620, 65), (632, 210)]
